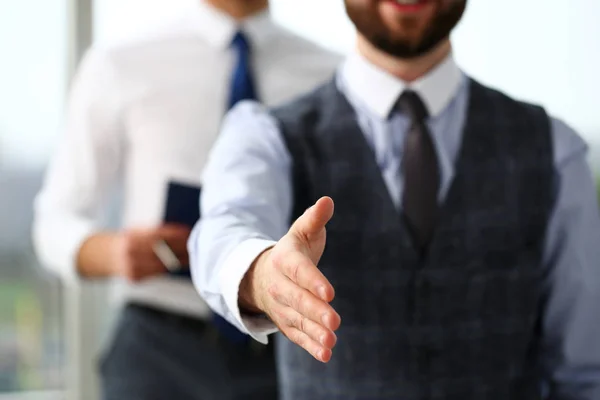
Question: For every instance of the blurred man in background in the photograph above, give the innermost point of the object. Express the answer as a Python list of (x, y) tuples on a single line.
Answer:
[(463, 249), (142, 116)]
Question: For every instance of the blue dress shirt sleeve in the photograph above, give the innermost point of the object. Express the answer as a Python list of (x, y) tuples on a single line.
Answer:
[(571, 319), (245, 207)]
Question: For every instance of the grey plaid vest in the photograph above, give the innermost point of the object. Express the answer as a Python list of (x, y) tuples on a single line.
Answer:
[(461, 323)]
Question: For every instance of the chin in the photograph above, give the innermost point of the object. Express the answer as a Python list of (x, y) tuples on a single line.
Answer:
[(410, 32)]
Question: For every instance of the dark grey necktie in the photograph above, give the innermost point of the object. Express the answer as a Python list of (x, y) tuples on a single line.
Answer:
[(420, 170)]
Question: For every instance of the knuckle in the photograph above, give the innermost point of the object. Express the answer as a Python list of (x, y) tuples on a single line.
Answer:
[(298, 300), (297, 337), (304, 238), (273, 290), (277, 260), (295, 272), (296, 321), (302, 323), (281, 316)]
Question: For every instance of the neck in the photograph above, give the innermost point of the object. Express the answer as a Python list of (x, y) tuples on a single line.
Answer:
[(239, 9), (407, 70)]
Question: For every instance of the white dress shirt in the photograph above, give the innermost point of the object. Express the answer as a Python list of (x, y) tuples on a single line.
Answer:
[(147, 111)]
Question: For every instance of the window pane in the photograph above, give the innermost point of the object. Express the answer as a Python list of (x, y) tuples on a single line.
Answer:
[(32, 78)]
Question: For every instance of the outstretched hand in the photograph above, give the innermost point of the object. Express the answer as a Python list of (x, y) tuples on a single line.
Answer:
[(286, 284)]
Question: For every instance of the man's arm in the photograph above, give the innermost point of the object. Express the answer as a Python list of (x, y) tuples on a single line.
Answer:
[(246, 207), (571, 321), (241, 252), (81, 175)]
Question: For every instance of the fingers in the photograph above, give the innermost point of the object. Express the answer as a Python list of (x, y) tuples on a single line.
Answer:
[(319, 352), (138, 254), (313, 221), (144, 268), (288, 294), (303, 317), (314, 338), (301, 270), (176, 237), (158, 260), (289, 317)]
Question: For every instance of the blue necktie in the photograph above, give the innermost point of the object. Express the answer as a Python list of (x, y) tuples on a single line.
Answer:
[(242, 83), (242, 88)]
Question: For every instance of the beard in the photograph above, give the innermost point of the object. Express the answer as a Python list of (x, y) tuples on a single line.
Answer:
[(400, 45)]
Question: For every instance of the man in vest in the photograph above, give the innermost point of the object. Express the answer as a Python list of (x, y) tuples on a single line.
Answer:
[(463, 249)]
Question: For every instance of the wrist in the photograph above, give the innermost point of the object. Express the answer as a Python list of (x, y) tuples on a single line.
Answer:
[(249, 292), (97, 256), (115, 249)]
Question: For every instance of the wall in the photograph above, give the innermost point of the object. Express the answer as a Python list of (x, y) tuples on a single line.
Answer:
[(547, 51)]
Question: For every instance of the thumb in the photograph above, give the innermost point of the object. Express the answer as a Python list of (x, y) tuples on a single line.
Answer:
[(313, 221)]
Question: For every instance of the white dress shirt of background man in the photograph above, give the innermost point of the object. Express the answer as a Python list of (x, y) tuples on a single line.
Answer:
[(141, 114)]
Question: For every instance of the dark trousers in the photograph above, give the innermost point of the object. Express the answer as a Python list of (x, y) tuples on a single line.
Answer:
[(160, 356)]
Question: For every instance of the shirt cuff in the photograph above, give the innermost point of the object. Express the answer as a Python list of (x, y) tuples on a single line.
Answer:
[(234, 268), (58, 252)]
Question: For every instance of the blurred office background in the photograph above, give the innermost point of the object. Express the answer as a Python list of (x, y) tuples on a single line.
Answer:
[(546, 51)]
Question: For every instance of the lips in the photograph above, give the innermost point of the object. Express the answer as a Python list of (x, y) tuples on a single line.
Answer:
[(408, 5)]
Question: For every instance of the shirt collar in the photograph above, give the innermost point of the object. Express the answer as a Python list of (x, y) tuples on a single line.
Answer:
[(378, 90), (218, 28)]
